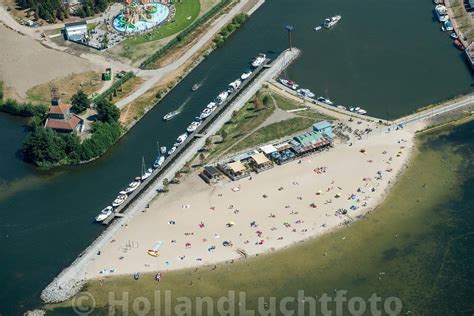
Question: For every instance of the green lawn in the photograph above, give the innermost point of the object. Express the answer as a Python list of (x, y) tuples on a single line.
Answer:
[(186, 12)]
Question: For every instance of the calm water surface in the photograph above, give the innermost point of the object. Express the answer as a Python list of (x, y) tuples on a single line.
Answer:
[(372, 58)]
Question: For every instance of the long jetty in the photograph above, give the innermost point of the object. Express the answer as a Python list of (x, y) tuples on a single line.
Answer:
[(70, 281)]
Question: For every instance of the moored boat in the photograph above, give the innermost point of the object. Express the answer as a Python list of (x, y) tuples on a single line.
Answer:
[(158, 162), (288, 83), (306, 93), (259, 60), (342, 107), (163, 149), (442, 13), (317, 28), (454, 36), (193, 126), (181, 138), (361, 111), (324, 100), (222, 97), (234, 85), (120, 199), (448, 26), (133, 185), (172, 150), (245, 75), (106, 212)]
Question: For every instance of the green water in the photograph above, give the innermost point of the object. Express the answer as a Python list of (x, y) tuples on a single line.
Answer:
[(388, 57), (417, 246)]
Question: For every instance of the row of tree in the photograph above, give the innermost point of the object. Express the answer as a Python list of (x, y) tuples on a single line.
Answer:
[(53, 10)]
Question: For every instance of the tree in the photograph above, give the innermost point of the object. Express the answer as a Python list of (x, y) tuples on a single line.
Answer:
[(234, 116), (266, 100), (208, 143), (43, 147), (202, 157), (107, 111), (80, 102)]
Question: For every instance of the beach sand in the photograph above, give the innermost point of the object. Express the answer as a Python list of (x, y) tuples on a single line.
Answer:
[(193, 220)]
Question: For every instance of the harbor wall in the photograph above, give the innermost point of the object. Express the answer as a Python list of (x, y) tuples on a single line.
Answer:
[(70, 281)]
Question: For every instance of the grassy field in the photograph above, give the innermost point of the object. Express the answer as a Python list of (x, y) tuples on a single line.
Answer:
[(89, 82), (402, 249)]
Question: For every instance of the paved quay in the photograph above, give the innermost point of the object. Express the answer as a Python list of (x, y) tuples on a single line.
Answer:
[(70, 281)]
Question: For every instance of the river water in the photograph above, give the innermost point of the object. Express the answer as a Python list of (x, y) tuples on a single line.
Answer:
[(373, 58)]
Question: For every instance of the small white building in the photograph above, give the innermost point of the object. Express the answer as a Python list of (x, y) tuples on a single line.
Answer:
[(75, 31)]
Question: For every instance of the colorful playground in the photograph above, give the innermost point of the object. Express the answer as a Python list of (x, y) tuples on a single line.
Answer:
[(141, 16)]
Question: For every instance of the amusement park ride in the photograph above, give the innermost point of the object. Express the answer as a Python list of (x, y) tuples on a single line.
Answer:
[(137, 10)]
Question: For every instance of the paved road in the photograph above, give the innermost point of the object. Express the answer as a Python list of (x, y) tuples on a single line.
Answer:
[(429, 113)]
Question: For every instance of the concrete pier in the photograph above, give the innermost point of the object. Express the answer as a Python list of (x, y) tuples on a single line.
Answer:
[(70, 281)]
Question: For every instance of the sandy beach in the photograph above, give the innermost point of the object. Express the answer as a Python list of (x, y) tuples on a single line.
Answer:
[(198, 224)]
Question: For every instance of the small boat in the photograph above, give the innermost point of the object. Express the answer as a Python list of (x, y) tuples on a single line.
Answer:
[(305, 93), (342, 107), (222, 97), (442, 13), (206, 113), (172, 150), (163, 149), (317, 28), (361, 111), (453, 36), (136, 275), (158, 162), (288, 83), (181, 138), (120, 199), (193, 126), (234, 85), (106, 212), (330, 22), (259, 60), (211, 105), (352, 109), (245, 75), (324, 100), (196, 86), (443, 28), (448, 26), (458, 44), (133, 185), (147, 173), (170, 115)]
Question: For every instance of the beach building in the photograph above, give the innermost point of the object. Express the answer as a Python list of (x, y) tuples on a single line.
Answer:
[(210, 174), (260, 162), (75, 31), (470, 54), (323, 127), (61, 119), (310, 142), (234, 170)]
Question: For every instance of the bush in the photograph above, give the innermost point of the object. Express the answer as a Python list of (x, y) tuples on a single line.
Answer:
[(104, 135), (24, 109), (107, 111), (43, 147)]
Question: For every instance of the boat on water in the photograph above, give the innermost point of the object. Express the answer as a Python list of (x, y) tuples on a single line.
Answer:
[(158, 162), (172, 150), (211, 105), (196, 86), (342, 107), (234, 85), (442, 13), (330, 22), (222, 97), (106, 212), (120, 199), (170, 115), (448, 26), (288, 83), (361, 111), (324, 100), (163, 149), (181, 138), (305, 93), (459, 45), (454, 36), (206, 112), (245, 75), (259, 60), (145, 173), (193, 126), (133, 185), (317, 28)]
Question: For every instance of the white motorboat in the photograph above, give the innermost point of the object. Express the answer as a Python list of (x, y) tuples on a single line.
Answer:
[(181, 138), (245, 75), (259, 60), (288, 83), (211, 105), (222, 97), (193, 126), (163, 149), (158, 162), (306, 93), (453, 36), (106, 212), (351, 109), (133, 185), (317, 28), (330, 22), (448, 26), (324, 100), (170, 115), (172, 150), (120, 199), (206, 113), (234, 85), (342, 107), (361, 111)]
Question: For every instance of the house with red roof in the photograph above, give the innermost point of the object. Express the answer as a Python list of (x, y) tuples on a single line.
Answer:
[(61, 119)]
